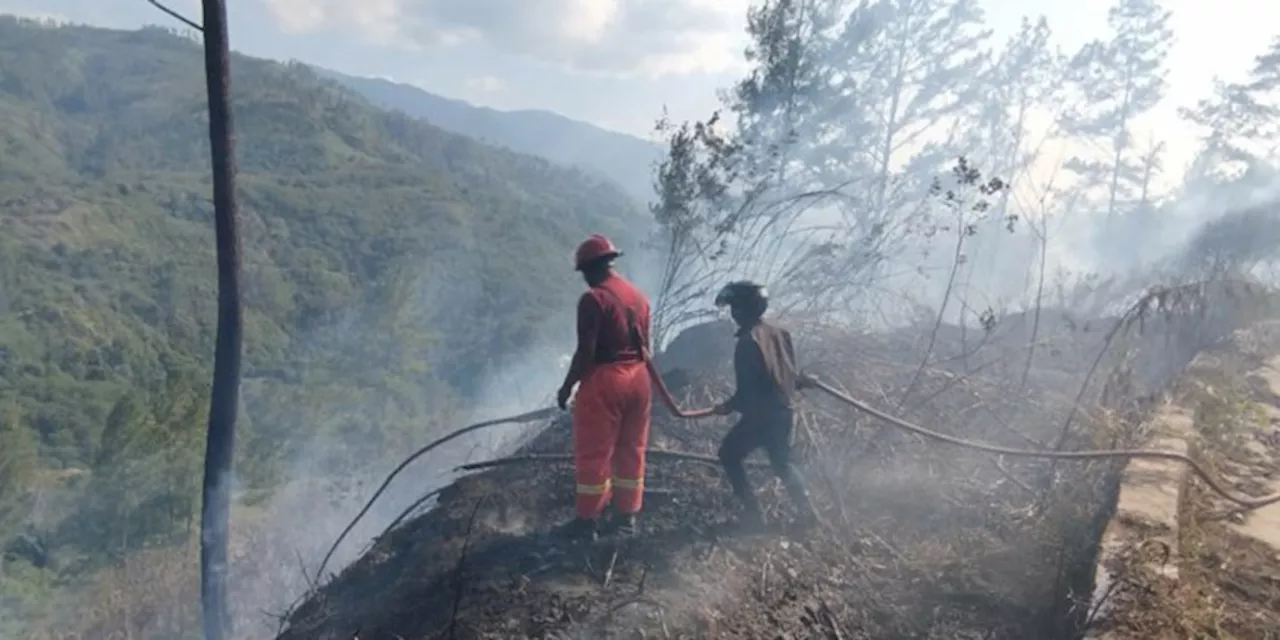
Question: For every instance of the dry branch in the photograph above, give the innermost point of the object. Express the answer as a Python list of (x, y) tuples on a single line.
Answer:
[(459, 583), (530, 416), (176, 16)]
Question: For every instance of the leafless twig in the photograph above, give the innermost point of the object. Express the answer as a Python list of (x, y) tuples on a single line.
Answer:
[(177, 16), (302, 566), (524, 418), (408, 510), (462, 558)]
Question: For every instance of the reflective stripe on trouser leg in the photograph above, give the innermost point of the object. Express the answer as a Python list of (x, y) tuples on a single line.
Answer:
[(628, 494), (595, 430), (633, 439), (590, 491)]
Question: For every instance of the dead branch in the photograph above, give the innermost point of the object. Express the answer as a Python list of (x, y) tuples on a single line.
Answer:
[(531, 416), (176, 16), (1167, 300), (408, 510), (608, 570), (302, 566), (1011, 478), (459, 583)]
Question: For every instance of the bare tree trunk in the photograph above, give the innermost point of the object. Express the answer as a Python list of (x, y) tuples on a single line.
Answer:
[(225, 398), (1118, 142), (964, 314), (1039, 304), (956, 265)]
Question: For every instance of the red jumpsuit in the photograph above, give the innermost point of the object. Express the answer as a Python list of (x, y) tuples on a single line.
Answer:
[(612, 410)]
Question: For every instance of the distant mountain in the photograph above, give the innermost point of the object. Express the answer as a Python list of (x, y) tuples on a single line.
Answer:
[(624, 159)]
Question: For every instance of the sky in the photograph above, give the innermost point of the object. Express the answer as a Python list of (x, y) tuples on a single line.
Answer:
[(619, 63)]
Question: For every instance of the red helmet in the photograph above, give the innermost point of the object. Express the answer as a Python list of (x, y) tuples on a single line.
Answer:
[(595, 247)]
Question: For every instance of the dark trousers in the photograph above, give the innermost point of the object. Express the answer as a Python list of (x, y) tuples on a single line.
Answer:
[(771, 429)]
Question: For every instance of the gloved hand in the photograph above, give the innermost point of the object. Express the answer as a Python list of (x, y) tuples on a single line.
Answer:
[(562, 396), (722, 409), (806, 381)]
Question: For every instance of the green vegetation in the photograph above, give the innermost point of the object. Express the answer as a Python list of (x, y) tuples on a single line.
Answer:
[(388, 265)]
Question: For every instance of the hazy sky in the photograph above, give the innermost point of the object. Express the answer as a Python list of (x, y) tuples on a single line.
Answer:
[(618, 62)]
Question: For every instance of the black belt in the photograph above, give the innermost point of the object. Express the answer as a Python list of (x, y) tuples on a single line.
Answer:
[(613, 359)]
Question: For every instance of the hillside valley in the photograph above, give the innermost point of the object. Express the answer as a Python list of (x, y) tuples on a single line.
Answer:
[(390, 267)]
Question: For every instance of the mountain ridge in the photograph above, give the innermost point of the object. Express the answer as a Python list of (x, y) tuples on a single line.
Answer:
[(624, 159)]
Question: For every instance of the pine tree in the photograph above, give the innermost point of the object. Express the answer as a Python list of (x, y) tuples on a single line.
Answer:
[(1118, 81), (907, 67), (774, 104), (1239, 125), (1023, 77)]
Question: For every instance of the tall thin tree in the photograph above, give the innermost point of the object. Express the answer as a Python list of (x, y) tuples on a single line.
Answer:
[(1117, 81), (225, 398)]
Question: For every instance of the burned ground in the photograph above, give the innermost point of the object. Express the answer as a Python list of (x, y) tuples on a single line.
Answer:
[(920, 540)]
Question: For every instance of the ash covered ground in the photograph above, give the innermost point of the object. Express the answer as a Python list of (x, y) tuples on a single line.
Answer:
[(920, 540)]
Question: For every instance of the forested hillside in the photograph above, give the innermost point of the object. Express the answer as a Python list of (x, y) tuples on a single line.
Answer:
[(623, 159), (388, 264)]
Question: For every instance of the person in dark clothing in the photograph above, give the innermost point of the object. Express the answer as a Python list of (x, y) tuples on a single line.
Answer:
[(764, 364)]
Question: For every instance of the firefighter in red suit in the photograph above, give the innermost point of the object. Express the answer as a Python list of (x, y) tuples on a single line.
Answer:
[(612, 409)]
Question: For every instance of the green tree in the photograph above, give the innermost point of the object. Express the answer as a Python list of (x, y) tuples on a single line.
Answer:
[(1119, 80), (144, 481), (18, 464)]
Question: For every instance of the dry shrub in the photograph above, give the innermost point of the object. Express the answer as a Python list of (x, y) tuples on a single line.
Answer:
[(153, 594)]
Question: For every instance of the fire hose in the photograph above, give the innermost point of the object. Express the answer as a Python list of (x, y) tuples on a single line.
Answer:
[(1246, 503)]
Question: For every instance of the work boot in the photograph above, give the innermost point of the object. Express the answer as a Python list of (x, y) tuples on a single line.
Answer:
[(624, 525), (578, 530)]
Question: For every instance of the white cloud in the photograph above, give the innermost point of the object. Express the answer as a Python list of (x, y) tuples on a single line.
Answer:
[(486, 84), (615, 37), (295, 16)]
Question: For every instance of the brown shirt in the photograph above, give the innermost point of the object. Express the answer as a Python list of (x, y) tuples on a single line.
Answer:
[(764, 363)]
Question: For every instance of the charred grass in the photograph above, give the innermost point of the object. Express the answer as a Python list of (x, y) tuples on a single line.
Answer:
[(919, 540)]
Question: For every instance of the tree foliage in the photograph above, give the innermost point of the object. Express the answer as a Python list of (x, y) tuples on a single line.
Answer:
[(839, 128), (1118, 80), (1238, 124)]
